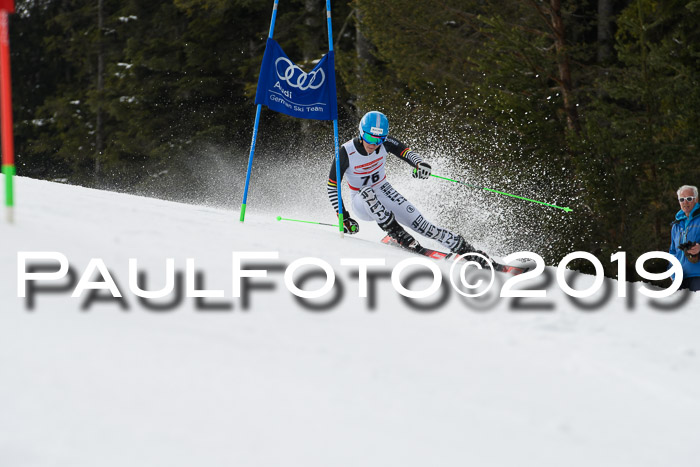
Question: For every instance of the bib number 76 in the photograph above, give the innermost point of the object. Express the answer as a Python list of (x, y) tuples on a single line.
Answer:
[(374, 177)]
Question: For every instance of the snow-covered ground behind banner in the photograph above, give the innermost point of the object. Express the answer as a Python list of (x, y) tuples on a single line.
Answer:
[(272, 381)]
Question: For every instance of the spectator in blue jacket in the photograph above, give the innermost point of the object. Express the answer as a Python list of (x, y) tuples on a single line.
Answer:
[(685, 235)]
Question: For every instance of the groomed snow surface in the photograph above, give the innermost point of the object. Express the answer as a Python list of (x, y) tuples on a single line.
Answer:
[(363, 382)]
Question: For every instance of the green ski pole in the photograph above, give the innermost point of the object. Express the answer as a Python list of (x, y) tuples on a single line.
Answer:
[(565, 209)]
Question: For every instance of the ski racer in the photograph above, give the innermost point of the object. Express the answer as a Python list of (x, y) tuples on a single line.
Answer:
[(363, 164), (685, 236)]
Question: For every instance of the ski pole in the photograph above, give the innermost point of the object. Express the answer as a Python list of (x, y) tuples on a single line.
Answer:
[(500, 192), (280, 218)]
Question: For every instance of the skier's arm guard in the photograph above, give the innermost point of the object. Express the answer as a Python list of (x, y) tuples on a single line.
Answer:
[(332, 187), (403, 152), (332, 190)]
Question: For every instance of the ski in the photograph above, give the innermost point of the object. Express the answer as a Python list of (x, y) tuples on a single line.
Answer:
[(440, 255)]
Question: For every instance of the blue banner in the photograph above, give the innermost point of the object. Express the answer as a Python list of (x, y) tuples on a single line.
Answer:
[(286, 88)]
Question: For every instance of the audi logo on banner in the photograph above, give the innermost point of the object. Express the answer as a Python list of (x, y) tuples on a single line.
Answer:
[(287, 71)]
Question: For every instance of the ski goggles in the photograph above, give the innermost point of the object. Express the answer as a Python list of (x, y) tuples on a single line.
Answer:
[(688, 199), (370, 139)]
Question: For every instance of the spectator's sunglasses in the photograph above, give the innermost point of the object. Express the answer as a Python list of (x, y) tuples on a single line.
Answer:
[(369, 139), (688, 199)]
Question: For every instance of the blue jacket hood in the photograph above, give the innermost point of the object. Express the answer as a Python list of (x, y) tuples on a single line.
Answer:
[(680, 215)]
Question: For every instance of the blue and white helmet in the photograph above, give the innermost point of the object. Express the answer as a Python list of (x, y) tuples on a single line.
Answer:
[(374, 127)]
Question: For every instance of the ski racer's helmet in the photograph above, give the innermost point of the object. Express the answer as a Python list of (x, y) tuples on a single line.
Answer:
[(374, 127)]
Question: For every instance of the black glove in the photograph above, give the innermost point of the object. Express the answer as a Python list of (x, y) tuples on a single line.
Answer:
[(687, 246), (422, 170), (350, 225)]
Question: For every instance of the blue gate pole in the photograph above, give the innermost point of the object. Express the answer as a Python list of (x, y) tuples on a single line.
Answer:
[(255, 128), (335, 127)]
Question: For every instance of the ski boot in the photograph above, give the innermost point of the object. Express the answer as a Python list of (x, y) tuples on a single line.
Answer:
[(463, 248), (398, 233)]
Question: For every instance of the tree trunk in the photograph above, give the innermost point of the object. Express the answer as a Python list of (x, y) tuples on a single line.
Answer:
[(312, 23), (362, 45), (564, 67), (99, 137), (363, 49), (605, 30)]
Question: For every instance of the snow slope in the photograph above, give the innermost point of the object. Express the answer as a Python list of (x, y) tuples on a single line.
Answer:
[(615, 383)]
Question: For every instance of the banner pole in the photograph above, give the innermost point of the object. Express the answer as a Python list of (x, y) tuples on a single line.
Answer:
[(250, 162), (8, 147), (335, 128), (255, 128)]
